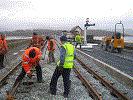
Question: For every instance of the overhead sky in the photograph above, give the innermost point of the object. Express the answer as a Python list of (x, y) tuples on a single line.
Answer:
[(64, 14)]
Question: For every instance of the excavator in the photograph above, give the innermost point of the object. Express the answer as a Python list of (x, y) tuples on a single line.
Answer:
[(116, 42)]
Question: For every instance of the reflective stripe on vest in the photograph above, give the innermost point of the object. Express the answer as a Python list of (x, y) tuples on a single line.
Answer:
[(25, 62), (27, 56), (28, 72), (68, 58), (37, 49)]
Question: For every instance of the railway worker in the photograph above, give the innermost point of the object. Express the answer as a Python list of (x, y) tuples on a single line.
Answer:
[(30, 58), (51, 48), (3, 49), (78, 39), (36, 41), (64, 66)]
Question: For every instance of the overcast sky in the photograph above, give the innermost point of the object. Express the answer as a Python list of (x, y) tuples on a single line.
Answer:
[(64, 14)]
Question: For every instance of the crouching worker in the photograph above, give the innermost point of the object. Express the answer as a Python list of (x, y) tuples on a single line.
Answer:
[(64, 66), (31, 57)]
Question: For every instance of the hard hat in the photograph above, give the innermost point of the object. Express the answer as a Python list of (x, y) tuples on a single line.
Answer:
[(34, 33), (63, 38)]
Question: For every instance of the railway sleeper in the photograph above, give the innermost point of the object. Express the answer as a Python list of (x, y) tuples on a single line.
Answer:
[(24, 91), (84, 84), (28, 83), (3, 83), (113, 93), (78, 77), (112, 83), (125, 93), (102, 83), (91, 95), (9, 97), (95, 77)]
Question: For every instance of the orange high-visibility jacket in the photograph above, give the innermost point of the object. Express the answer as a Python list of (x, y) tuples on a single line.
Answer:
[(53, 44), (3, 46), (37, 41), (27, 61)]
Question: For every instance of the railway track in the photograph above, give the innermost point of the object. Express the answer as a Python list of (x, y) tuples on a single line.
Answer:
[(120, 55), (92, 92), (5, 78)]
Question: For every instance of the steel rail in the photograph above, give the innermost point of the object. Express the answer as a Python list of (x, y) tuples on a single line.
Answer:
[(90, 89), (4, 79), (107, 84), (112, 89), (10, 95)]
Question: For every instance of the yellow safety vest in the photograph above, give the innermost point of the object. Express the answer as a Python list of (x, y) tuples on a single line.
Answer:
[(78, 39), (69, 57)]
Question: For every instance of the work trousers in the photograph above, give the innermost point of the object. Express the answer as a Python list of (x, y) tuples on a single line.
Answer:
[(22, 74), (66, 76), (77, 44), (1, 60), (51, 56)]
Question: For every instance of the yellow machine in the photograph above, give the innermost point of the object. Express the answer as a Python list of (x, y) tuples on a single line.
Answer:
[(116, 42)]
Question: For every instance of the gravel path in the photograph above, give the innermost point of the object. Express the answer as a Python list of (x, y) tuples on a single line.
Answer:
[(39, 91)]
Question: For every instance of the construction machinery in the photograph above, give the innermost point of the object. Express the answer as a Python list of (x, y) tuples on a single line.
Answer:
[(116, 42)]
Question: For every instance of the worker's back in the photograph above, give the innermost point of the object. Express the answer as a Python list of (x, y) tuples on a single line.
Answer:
[(37, 41)]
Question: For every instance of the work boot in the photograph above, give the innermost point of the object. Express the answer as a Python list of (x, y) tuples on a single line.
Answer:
[(65, 95), (40, 81), (49, 62), (51, 92), (2, 66)]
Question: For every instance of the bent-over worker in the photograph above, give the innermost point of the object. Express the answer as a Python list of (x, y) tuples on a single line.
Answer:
[(31, 58)]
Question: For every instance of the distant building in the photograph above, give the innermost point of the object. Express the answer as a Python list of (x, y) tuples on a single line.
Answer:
[(77, 28), (71, 34)]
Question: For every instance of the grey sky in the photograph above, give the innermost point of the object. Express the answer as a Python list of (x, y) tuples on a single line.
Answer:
[(64, 14)]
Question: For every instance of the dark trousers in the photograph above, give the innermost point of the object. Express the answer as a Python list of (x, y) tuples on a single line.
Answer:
[(77, 44), (22, 74), (1, 60), (66, 76), (51, 56)]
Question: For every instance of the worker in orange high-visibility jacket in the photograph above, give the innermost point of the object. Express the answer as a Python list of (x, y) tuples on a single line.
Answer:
[(51, 48), (36, 41), (3, 49), (31, 58)]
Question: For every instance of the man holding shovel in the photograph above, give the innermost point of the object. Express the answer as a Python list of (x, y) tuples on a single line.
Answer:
[(31, 57)]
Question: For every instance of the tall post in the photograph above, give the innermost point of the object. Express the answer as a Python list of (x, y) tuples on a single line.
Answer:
[(85, 42), (85, 28)]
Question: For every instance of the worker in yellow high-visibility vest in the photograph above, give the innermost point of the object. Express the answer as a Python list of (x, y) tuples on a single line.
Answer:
[(64, 66), (78, 39)]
